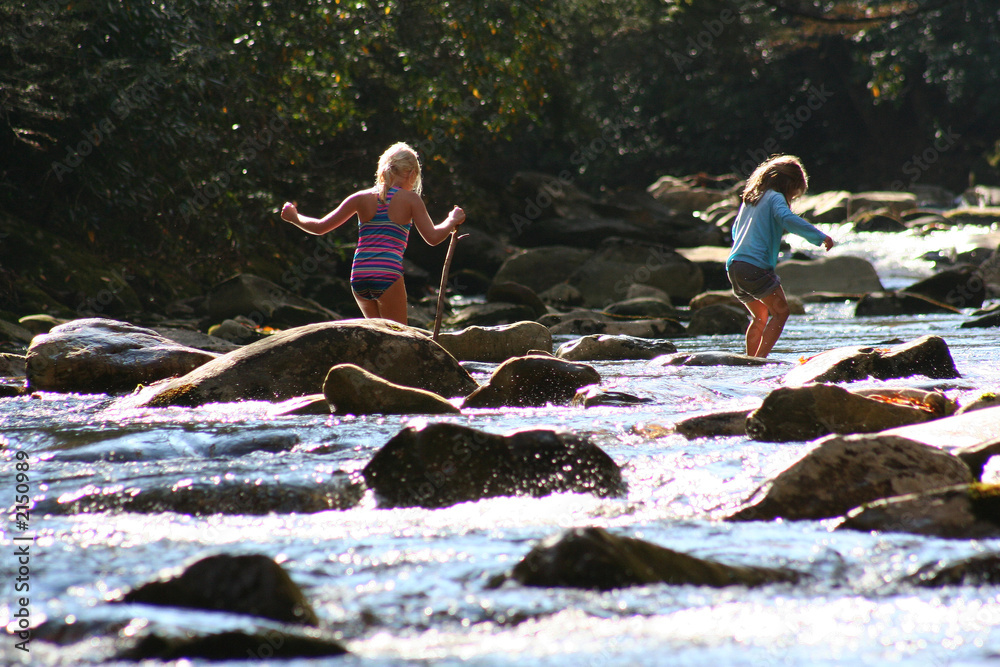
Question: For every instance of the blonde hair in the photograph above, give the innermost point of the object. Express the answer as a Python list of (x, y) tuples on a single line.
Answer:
[(781, 173), (397, 160)]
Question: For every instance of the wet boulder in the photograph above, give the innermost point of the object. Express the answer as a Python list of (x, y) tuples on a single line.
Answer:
[(295, 362), (811, 411), (106, 356), (496, 344), (844, 472), (730, 422), (618, 264), (216, 492), (614, 348), (641, 307), (350, 389), (599, 324), (714, 359), (976, 456), (441, 464), (593, 396), (894, 304), (263, 302), (509, 291), (718, 320), (927, 355), (966, 511), (542, 268), (493, 314), (839, 273), (593, 558), (250, 584), (978, 570), (957, 287), (532, 381), (265, 643)]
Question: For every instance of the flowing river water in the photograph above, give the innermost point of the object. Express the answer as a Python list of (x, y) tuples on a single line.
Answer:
[(411, 586)]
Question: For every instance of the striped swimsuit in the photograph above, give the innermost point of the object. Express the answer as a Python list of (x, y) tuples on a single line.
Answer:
[(378, 260)]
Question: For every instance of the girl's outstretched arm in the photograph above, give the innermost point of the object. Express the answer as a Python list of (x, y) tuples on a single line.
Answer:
[(430, 232), (330, 221)]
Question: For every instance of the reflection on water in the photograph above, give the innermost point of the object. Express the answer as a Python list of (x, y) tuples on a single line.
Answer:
[(410, 584)]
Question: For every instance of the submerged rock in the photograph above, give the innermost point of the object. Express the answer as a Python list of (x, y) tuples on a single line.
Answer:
[(806, 413), (443, 464), (604, 347), (295, 363), (496, 344), (967, 511), (250, 584), (894, 304), (714, 359), (532, 381), (844, 472), (979, 570), (106, 356), (206, 495), (927, 355), (716, 424), (350, 389), (265, 644), (594, 558)]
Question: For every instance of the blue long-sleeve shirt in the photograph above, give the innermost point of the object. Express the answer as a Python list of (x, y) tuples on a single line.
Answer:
[(758, 230)]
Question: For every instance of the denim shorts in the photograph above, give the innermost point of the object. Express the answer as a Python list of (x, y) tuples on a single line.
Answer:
[(752, 283)]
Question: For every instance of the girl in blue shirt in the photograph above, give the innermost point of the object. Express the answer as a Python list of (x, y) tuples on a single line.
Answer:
[(763, 219)]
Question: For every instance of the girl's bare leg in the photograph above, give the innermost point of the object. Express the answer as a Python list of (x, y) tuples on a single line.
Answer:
[(392, 303), (369, 307), (777, 305), (759, 315)]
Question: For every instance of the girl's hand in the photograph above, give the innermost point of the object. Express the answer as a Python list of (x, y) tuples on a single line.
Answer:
[(289, 213), (828, 243), (457, 216)]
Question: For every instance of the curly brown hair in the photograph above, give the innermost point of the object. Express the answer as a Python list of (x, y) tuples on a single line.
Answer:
[(781, 173)]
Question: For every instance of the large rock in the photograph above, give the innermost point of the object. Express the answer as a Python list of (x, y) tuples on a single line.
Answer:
[(263, 302), (967, 511), (824, 207), (542, 268), (442, 464), (641, 307), (927, 355), (613, 348), (617, 265), (841, 274), (212, 491), (351, 390), (295, 363), (496, 344), (532, 381), (958, 432), (265, 642), (509, 291), (897, 203), (733, 422), (106, 356), (976, 215), (844, 472), (595, 559), (808, 412), (958, 287), (493, 314), (894, 304), (978, 570), (682, 195), (592, 325), (718, 320), (252, 584), (714, 359)]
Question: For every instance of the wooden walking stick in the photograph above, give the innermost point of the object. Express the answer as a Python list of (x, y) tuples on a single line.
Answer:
[(444, 282)]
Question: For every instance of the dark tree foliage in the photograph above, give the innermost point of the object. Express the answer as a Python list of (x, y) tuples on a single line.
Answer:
[(143, 129)]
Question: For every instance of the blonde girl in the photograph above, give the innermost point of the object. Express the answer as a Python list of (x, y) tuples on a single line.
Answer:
[(385, 213)]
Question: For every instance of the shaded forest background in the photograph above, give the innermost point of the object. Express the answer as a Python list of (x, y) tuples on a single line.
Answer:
[(152, 143)]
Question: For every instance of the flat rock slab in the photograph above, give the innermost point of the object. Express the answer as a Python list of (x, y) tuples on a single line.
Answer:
[(950, 433)]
